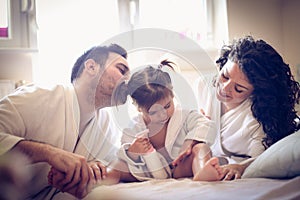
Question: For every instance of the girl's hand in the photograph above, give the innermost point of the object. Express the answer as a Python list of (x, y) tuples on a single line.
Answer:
[(185, 152), (203, 113), (140, 146), (98, 170)]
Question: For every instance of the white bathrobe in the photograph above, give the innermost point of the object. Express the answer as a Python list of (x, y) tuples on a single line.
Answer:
[(239, 135), (52, 116), (183, 125)]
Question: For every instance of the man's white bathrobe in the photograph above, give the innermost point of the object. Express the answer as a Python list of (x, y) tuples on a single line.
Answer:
[(52, 116), (183, 125), (239, 134)]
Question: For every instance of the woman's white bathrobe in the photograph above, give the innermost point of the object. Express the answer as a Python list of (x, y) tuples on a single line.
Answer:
[(52, 116), (239, 135), (183, 125)]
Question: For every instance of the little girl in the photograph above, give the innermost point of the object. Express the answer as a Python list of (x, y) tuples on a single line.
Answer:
[(168, 132)]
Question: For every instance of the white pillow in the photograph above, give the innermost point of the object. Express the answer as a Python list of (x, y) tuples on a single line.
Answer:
[(281, 160)]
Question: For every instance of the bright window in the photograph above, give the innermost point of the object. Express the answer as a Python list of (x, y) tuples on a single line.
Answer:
[(69, 27), (66, 29), (185, 17)]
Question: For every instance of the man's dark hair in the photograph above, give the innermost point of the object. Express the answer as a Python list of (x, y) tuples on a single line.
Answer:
[(99, 54)]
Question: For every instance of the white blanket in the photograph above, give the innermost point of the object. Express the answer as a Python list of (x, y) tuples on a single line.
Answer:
[(256, 188)]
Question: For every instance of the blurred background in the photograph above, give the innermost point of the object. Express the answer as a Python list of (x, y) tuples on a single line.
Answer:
[(40, 40)]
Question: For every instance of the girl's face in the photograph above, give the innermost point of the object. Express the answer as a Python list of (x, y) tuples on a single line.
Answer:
[(160, 112), (233, 86)]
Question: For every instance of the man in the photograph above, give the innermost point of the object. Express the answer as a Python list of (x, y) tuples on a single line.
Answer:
[(65, 127)]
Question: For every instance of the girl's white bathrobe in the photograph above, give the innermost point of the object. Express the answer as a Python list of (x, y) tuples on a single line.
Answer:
[(52, 116), (239, 134), (183, 125)]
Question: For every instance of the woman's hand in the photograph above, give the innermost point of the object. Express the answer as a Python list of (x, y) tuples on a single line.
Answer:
[(233, 171)]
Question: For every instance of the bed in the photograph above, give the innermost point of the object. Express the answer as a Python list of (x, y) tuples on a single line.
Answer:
[(248, 188), (275, 174)]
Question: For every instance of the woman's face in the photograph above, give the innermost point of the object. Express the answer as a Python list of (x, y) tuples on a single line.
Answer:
[(233, 86), (160, 112)]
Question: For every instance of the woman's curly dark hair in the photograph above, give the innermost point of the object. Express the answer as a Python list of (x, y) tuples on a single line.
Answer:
[(275, 90)]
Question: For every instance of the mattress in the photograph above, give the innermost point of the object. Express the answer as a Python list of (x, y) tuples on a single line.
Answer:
[(248, 188)]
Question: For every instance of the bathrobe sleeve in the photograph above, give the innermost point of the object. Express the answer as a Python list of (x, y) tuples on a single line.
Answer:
[(138, 169), (188, 125), (200, 128), (10, 122), (39, 114)]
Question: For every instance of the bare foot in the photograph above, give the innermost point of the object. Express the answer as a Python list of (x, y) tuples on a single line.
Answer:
[(211, 171)]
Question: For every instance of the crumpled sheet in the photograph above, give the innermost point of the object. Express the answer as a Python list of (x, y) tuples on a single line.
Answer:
[(249, 188)]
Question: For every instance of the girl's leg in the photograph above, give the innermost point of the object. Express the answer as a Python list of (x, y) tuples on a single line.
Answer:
[(184, 168), (117, 172), (193, 163), (200, 165)]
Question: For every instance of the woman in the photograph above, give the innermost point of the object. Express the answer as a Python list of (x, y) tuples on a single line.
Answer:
[(252, 101)]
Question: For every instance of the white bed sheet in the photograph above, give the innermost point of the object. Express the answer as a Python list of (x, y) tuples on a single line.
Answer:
[(250, 188)]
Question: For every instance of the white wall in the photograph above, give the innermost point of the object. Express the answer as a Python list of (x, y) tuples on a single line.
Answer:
[(275, 21), (16, 65), (291, 34)]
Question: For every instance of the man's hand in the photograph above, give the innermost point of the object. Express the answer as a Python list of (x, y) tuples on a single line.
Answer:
[(74, 167), (54, 179), (97, 169)]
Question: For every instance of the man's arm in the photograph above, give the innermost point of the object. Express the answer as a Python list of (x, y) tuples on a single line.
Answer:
[(74, 167)]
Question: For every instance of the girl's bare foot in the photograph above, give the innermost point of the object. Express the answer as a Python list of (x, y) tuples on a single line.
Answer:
[(211, 171)]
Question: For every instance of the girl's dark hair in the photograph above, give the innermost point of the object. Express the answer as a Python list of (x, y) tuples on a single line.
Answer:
[(146, 86), (275, 90), (99, 54)]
